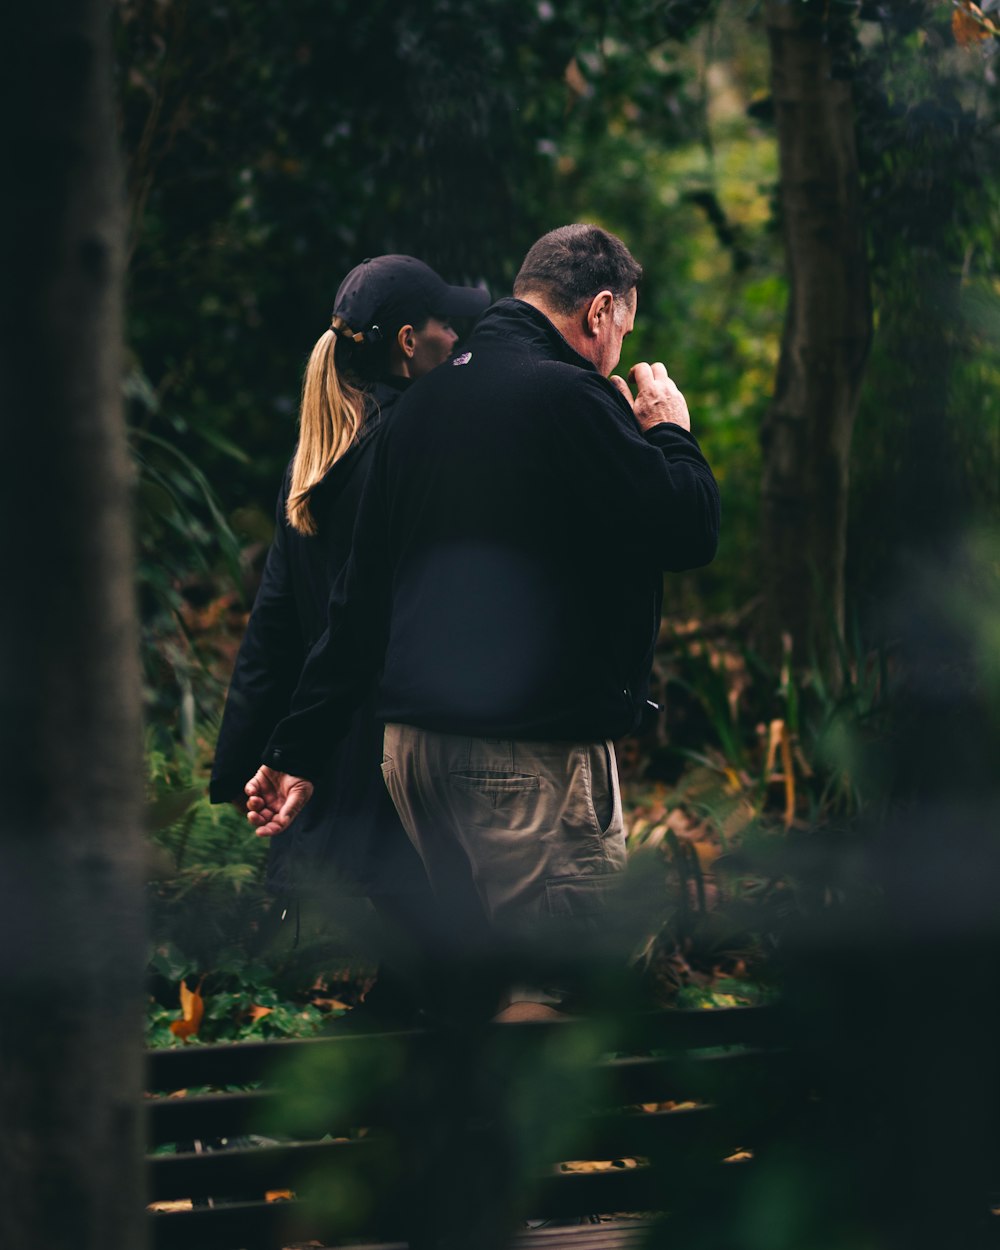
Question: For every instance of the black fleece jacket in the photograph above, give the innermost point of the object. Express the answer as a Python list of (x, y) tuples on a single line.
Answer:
[(349, 833), (506, 571)]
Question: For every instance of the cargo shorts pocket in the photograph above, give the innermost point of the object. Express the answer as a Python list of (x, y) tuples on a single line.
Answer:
[(581, 902), (579, 897)]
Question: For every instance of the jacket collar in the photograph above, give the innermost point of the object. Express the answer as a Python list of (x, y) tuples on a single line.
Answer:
[(381, 396), (515, 322)]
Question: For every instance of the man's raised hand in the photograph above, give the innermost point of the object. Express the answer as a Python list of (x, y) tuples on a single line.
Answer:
[(657, 398), (274, 800)]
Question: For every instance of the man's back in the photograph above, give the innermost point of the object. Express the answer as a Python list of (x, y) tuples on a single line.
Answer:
[(528, 521)]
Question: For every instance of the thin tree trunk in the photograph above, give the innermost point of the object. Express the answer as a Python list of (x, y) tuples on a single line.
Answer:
[(807, 434), (71, 933)]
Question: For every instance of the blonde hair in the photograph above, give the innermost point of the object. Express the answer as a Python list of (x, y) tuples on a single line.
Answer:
[(330, 415)]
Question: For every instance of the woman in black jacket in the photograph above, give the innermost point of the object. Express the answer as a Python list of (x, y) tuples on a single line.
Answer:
[(390, 326)]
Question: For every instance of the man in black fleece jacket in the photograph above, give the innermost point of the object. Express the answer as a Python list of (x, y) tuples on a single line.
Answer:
[(506, 577)]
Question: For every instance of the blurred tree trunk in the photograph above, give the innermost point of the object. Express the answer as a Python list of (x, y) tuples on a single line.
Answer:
[(71, 933), (806, 436)]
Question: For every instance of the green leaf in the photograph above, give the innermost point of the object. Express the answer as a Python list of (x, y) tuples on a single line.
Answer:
[(170, 963), (223, 444)]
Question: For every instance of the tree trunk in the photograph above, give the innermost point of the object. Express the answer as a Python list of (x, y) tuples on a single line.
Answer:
[(71, 932), (806, 436)]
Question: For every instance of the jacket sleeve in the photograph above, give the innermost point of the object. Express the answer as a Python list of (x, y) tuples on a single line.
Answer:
[(341, 667), (267, 667), (656, 486)]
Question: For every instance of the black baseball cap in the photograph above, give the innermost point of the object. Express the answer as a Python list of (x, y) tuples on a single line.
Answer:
[(389, 291)]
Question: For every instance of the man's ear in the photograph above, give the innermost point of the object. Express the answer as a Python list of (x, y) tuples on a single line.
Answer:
[(406, 340), (601, 310)]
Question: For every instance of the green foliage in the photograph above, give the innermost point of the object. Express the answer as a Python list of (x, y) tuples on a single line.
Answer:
[(727, 705), (773, 777), (196, 840), (241, 1005), (724, 992), (182, 538), (254, 959), (927, 445), (847, 723), (206, 895)]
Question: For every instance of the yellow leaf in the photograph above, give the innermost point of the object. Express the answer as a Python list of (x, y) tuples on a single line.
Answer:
[(786, 764), (707, 853), (257, 1012), (780, 740), (773, 738)]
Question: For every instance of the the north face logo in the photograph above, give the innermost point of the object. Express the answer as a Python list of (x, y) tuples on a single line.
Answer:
[(463, 359)]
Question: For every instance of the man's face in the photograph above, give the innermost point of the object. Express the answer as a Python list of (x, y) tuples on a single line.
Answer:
[(611, 333), (432, 346)]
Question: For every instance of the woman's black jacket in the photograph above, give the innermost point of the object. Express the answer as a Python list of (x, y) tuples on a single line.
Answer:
[(349, 834)]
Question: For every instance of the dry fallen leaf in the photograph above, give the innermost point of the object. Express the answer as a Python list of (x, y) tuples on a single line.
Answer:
[(330, 1004), (192, 1008), (601, 1165), (670, 1105), (575, 80), (969, 25)]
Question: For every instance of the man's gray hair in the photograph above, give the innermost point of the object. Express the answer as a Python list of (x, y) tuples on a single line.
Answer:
[(569, 266)]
